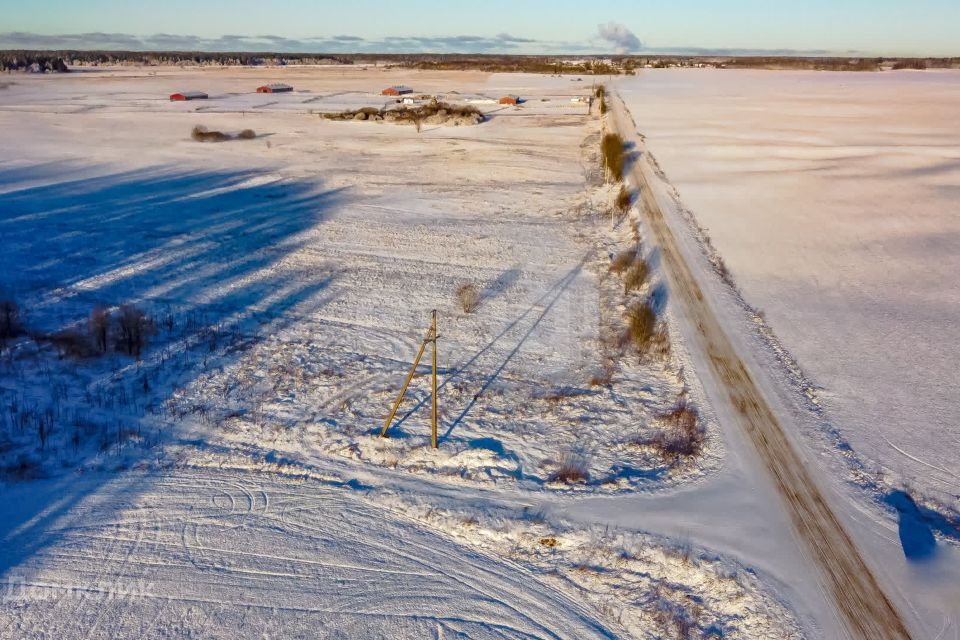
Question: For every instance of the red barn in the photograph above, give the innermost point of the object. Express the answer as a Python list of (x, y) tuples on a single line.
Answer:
[(188, 95), (274, 88), (510, 100), (398, 90)]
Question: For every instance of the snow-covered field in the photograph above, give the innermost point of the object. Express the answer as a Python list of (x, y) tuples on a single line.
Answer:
[(833, 201), (230, 482), (291, 279)]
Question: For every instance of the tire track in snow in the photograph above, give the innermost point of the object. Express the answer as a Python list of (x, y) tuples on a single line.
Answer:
[(241, 555)]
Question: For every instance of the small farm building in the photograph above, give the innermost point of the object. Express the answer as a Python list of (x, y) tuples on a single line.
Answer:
[(510, 100), (188, 95), (398, 90), (275, 88)]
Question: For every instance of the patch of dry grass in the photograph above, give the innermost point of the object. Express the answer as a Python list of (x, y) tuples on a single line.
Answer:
[(469, 297), (622, 261), (636, 276), (572, 470), (624, 200), (202, 134), (613, 156), (641, 325)]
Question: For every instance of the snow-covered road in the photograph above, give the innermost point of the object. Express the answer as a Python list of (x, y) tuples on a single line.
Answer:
[(239, 554)]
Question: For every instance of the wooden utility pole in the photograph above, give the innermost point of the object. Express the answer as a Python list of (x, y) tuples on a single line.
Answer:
[(433, 415), (430, 337)]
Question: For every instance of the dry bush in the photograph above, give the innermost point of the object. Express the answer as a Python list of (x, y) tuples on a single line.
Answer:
[(247, 134), (100, 327), (9, 320), (572, 470), (469, 297), (23, 468), (72, 343), (622, 261), (200, 134), (613, 156), (682, 435), (636, 276), (624, 199), (641, 325), (135, 329), (605, 376)]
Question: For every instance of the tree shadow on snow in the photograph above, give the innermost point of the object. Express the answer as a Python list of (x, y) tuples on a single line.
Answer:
[(205, 247)]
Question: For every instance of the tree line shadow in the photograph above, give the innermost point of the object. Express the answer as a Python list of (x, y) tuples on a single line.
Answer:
[(204, 247)]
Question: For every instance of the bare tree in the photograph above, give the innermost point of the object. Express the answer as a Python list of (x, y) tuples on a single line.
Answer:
[(135, 329), (100, 327), (9, 319)]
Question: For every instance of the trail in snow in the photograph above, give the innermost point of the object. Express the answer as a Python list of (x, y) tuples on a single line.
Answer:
[(236, 554)]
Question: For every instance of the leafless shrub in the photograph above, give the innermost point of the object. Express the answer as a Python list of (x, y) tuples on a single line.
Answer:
[(572, 470), (100, 327), (622, 261), (247, 134), (201, 134), (641, 325), (682, 435), (469, 297), (72, 343), (9, 320), (636, 276), (135, 329)]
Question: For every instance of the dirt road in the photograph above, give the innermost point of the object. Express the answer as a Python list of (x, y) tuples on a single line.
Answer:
[(861, 602)]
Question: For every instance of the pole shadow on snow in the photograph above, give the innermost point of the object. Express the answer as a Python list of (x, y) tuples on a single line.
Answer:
[(206, 247), (549, 299)]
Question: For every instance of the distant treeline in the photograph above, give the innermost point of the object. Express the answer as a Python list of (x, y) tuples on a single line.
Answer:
[(47, 61), (60, 61)]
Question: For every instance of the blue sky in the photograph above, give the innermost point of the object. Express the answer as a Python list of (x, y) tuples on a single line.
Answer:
[(916, 27)]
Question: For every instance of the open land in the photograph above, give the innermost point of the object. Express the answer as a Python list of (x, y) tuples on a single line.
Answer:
[(228, 479)]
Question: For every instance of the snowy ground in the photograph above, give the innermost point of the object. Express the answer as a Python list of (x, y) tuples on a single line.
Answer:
[(291, 287), (832, 199), (289, 281), (787, 177)]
